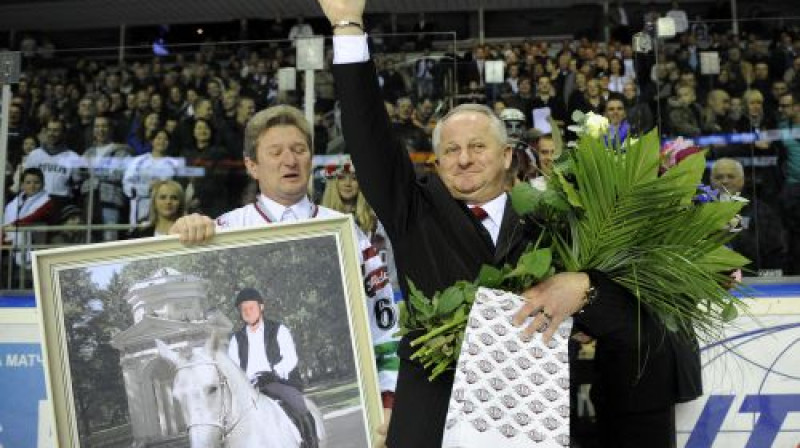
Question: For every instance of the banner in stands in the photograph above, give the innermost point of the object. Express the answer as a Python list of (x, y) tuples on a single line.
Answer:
[(751, 380)]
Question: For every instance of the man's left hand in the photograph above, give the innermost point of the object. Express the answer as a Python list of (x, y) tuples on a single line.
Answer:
[(282, 371), (552, 301)]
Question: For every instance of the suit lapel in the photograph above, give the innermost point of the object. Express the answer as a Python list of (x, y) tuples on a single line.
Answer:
[(511, 234)]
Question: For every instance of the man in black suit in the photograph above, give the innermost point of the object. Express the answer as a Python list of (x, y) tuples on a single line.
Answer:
[(439, 239)]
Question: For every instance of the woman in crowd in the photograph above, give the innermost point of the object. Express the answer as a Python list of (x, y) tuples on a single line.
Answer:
[(207, 194), (166, 206), (343, 194), (141, 137), (143, 170)]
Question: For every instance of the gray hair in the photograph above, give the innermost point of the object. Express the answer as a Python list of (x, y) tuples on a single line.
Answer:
[(495, 124), (281, 115), (737, 165)]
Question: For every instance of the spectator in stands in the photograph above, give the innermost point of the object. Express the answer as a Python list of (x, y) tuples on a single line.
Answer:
[(785, 115), (167, 205), (617, 76), (394, 86), (71, 215), (102, 190), (716, 118), (176, 105), (207, 193), (792, 75), (28, 145), (789, 153), (547, 153), (143, 170), (618, 127), (523, 100), (762, 237), (407, 129), (62, 167), (547, 97), (300, 30), (593, 100), (423, 74), (32, 206), (684, 113), (638, 113), (16, 133), (140, 138)]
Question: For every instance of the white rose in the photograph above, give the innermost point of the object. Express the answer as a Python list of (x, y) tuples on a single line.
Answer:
[(539, 183), (596, 125)]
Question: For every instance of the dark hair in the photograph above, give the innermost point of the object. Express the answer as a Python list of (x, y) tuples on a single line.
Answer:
[(35, 171)]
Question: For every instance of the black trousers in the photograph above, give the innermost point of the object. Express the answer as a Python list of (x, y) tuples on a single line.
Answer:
[(292, 397), (651, 429)]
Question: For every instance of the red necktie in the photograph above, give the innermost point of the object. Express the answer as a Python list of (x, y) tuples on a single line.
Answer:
[(479, 213)]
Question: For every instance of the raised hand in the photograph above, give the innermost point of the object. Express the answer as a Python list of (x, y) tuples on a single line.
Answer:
[(339, 10)]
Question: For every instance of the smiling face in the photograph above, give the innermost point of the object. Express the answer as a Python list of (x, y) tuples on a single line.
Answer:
[(282, 165), (472, 160), (347, 185)]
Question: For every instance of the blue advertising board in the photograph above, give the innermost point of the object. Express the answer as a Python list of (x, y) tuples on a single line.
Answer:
[(25, 413)]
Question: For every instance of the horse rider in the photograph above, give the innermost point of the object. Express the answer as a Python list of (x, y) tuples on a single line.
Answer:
[(265, 351)]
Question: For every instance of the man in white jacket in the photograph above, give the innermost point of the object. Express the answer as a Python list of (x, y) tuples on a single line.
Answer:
[(277, 154)]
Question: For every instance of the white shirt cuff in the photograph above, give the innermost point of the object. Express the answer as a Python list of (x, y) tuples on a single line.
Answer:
[(349, 49)]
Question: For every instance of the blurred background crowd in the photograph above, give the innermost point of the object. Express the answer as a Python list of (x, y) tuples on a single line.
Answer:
[(112, 143)]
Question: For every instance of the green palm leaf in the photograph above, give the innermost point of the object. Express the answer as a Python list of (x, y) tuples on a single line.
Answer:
[(643, 230)]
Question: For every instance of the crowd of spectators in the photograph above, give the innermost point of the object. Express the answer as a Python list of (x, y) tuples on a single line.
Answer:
[(102, 133)]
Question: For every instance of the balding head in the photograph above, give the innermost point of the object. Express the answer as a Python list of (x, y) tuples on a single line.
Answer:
[(727, 176)]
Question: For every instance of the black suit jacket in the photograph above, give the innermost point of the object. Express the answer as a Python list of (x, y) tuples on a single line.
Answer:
[(437, 242)]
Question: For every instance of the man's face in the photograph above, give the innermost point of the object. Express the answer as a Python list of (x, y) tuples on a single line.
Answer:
[(726, 177), (102, 130), (471, 161), (736, 106), (786, 107), (543, 86), (404, 108), (204, 110), (251, 311), (615, 112), (547, 154), (55, 129), (283, 164), (629, 91), (14, 115), (762, 71), (720, 103), (779, 88), (686, 96), (245, 109)]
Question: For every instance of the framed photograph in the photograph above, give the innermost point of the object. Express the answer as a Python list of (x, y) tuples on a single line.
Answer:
[(137, 340)]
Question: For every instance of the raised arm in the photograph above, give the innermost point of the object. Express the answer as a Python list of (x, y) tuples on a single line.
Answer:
[(384, 170)]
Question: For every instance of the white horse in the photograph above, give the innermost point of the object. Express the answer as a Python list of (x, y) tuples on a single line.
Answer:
[(222, 409)]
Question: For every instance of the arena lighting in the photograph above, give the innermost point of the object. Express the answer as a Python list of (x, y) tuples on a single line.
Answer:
[(199, 31)]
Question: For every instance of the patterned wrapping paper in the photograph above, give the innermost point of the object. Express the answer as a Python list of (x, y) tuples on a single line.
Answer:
[(508, 392)]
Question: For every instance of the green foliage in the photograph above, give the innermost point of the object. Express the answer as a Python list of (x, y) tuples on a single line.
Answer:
[(609, 210)]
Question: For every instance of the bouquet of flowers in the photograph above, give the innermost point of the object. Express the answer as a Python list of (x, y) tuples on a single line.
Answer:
[(609, 208)]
